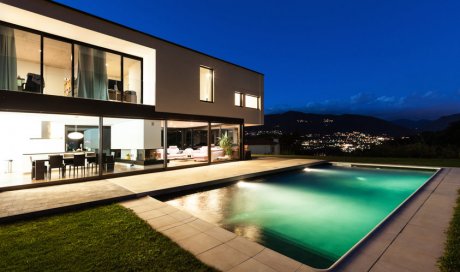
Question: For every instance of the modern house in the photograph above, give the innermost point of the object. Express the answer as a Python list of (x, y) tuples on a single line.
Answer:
[(84, 98)]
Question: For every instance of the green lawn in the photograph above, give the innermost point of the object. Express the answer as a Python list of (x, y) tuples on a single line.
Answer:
[(403, 161), (106, 238), (450, 261)]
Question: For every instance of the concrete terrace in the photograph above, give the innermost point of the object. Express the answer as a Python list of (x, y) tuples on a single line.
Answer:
[(411, 241), (21, 203)]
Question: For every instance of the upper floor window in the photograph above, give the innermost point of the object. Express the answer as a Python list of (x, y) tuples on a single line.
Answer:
[(20, 54), (57, 67), (40, 63), (251, 101), (206, 84), (238, 99)]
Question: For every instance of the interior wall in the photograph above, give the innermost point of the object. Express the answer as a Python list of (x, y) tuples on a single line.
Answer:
[(54, 80), (152, 134), (26, 139), (127, 135)]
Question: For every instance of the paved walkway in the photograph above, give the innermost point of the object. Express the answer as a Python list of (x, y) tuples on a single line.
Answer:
[(26, 202), (214, 246), (411, 241)]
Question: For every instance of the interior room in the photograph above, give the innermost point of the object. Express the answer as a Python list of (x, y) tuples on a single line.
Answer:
[(97, 73)]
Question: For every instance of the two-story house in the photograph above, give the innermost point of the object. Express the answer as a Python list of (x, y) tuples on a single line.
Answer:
[(84, 98)]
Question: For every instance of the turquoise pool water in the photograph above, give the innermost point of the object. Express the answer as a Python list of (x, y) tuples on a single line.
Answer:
[(313, 215)]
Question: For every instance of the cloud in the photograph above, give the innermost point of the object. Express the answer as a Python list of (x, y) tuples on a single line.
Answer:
[(417, 105)]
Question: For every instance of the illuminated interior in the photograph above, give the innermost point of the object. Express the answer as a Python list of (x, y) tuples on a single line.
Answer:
[(58, 61)]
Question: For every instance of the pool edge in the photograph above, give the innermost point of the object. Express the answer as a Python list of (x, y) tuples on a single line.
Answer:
[(368, 237)]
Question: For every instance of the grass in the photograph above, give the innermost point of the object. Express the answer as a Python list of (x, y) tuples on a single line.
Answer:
[(383, 160), (106, 238), (450, 261)]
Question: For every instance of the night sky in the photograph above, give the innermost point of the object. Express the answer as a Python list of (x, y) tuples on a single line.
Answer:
[(391, 59)]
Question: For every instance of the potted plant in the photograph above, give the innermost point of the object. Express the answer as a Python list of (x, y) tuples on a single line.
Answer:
[(225, 143)]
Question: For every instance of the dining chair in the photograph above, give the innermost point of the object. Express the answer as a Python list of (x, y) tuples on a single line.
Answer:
[(68, 160), (56, 161), (91, 159), (79, 163)]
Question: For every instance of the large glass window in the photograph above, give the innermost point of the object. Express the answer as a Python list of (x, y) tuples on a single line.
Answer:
[(92, 72), (113, 64), (132, 145), (57, 67), (97, 73), (19, 60), (47, 147), (187, 143), (251, 101), (132, 80), (206, 84), (225, 142)]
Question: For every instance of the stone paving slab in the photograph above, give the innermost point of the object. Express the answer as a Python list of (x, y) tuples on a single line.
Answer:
[(416, 231), (20, 203), (210, 244), (170, 181)]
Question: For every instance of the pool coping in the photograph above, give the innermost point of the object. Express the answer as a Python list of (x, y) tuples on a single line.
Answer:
[(391, 215), (366, 238)]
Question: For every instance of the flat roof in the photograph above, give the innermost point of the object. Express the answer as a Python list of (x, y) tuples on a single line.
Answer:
[(147, 34)]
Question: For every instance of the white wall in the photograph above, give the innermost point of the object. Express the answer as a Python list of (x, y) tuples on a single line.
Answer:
[(54, 80), (25, 67), (136, 134), (20, 136), (152, 134)]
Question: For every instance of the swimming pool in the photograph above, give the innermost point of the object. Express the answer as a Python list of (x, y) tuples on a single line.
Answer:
[(314, 215)]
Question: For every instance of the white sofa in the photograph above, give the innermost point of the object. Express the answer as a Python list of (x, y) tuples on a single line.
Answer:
[(202, 153)]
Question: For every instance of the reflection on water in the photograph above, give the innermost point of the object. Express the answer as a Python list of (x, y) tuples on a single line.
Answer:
[(313, 216)]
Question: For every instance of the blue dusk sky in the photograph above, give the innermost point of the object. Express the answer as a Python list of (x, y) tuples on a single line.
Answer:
[(390, 59)]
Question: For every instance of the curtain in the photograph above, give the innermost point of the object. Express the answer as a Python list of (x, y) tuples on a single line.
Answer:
[(8, 65), (92, 74)]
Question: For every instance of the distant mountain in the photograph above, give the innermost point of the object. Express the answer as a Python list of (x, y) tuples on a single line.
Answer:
[(428, 125), (307, 123)]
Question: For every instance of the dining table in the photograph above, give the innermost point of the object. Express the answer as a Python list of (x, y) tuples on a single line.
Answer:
[(39, 164)]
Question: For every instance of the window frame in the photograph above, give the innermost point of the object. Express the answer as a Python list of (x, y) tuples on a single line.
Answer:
[(212, 100), (43, 35), (255, 96), (241, 95)]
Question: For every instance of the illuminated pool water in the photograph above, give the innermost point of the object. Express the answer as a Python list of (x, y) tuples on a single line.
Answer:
[(314, 215)]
